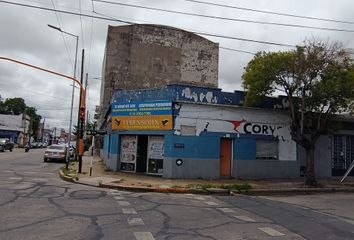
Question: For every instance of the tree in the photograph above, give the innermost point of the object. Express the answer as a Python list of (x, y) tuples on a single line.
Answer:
[(14, 106), (35, 120), (318, 80)]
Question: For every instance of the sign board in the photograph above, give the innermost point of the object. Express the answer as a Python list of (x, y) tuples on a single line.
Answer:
[(155, 155), (156, 115), (128, 153)]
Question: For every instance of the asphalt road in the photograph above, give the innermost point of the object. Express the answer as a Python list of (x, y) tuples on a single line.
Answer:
[(36, 204)]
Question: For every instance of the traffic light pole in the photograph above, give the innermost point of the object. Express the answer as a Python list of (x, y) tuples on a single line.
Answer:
[(82, 93)]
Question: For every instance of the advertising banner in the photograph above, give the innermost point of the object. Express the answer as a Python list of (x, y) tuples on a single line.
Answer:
[(128, 153), (155, 115)]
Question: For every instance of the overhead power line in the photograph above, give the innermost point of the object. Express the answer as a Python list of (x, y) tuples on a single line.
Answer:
[(271, 12), (62, 35), (122, 21), (225, 18)]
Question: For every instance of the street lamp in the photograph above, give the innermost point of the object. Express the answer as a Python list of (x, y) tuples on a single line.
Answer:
[(73, 91)]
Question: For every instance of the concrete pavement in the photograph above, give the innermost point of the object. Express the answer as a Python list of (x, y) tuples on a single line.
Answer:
[(101, 177)]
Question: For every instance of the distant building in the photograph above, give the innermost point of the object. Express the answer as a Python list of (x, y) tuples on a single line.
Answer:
[(15, 127), (143, 56)]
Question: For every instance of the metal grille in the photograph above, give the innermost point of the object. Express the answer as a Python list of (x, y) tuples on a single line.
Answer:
[(342, 154)]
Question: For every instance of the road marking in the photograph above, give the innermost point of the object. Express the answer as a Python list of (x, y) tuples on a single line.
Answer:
[(39, 179), (113, 190), (123, 203), (118, 197), (143, 236), (8, 171), (29, 172), (135, 221), (271, 232), (129, 211), (15, 178), (227, 210), (199, 198), (211, 203), (245, 218)]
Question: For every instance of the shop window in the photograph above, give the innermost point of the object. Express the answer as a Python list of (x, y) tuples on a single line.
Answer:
[(267, 149), (188, 130)]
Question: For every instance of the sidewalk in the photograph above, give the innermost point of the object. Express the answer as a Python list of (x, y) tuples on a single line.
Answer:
[(141, 182)]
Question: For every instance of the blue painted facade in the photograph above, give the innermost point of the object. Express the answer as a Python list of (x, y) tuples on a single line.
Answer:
[(200, 153), (193, 94), (12, 135)]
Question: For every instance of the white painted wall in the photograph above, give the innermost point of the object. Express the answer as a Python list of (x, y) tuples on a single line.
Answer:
[(235, 120)]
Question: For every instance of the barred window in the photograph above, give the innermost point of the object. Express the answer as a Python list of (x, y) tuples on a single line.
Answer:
[(267, 149)]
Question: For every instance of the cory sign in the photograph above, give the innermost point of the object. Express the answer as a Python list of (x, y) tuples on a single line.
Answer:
[(244, 126), (155, 115)]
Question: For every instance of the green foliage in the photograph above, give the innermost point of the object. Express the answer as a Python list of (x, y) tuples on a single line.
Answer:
[(13, 106), (317, 78)]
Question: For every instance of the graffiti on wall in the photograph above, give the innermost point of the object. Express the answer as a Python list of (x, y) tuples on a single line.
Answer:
[(239, 121)]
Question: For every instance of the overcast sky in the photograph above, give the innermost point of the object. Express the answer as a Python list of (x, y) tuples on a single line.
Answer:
[(25, 36)]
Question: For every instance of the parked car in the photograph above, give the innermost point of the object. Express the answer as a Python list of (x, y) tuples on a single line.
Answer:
[(2, 149), (6, 144), (40, 145), (55, 152), (34, 145), (72, 150)]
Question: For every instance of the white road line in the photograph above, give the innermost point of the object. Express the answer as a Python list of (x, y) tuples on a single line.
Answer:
[(211, 203), (29, 172), (245, 218), (129, 211), (271, 232), (123, 203), (118, 197), (143, 236), (135, 221), (227, 210), (113, 190), (199, 198), (39, 179), (8, 171), (15, 178)]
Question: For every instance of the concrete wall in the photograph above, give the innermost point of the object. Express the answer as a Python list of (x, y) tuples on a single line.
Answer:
[(147, 56), (258, 169), (191, 168)]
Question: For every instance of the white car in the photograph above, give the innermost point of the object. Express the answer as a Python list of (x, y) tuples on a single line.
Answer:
[(55, 152)]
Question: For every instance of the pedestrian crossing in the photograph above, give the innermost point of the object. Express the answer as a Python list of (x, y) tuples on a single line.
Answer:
[(261, 226)]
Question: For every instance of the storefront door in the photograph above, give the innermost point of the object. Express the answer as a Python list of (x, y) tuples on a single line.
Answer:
[(225, 157)]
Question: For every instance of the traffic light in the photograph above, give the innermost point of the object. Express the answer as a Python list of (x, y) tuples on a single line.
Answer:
[(82, 114)]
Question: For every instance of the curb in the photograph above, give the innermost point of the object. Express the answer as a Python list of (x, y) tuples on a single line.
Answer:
[(66, 178), (291, 191), (152, 189), (251, 192)]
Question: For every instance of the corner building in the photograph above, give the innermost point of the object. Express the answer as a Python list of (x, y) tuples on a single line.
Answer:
[(181, 131)]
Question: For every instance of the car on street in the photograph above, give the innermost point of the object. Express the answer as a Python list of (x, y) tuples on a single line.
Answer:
[(6, 144), (55, 152), (34, 145)]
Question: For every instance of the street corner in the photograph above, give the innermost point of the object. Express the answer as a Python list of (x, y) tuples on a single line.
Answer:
[(66, 177)]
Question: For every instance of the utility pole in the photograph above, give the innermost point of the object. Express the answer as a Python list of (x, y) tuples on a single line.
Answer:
[(80, 120), (24, 127), (43, 129)]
